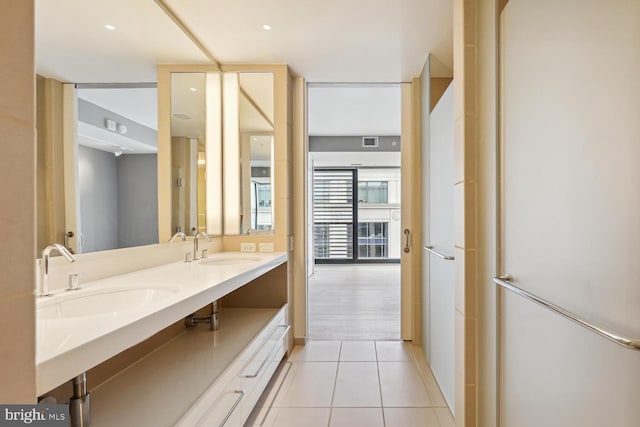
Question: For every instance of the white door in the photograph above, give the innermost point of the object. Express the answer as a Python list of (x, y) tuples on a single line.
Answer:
[(570, 211), (438, 267)]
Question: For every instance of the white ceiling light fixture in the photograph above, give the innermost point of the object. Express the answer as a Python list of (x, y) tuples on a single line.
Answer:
[(193, 89), (109, 27), (267, 27)]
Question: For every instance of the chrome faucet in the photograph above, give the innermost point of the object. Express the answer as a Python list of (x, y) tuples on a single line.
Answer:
[(178, 234), (44, 265), (195, 243)]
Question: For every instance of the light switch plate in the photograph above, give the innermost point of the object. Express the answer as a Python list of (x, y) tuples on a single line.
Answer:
[(247, 247), (266, 247)]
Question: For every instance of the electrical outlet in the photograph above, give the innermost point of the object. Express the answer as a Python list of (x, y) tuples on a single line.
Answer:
[(247, 247), (266, 247)]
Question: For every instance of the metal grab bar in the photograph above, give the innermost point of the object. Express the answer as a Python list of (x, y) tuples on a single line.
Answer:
[(438, 254), (632, 344)]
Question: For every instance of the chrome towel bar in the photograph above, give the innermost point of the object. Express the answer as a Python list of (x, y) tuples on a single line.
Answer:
[(438, 254), (633, 344)]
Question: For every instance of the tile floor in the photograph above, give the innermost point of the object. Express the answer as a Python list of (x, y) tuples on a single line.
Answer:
[(352, 384)]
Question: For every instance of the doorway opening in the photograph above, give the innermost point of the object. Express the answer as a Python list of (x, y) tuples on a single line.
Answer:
[(354, 212)]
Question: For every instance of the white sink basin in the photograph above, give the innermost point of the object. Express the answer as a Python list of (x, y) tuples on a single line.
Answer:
[(83, 303), (230, 260)]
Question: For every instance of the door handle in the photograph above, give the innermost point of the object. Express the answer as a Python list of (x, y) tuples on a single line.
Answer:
[(406, 240)]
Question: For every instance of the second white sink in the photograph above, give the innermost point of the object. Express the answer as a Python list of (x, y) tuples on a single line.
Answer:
[(230, 260)]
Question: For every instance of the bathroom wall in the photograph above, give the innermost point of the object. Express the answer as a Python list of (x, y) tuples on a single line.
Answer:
[(483, 21), (570, 208), (116, 194), (50, 179), (98, 187), (98, 265), (465, 223), (437, 87), (425, 96), (137, 191), (17, 198)]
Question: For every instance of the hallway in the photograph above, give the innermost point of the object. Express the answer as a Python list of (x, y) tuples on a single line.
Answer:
[(353, 384), (354, 302)]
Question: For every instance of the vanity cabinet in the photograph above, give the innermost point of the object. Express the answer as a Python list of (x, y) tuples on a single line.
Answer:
[(187, 376), (200, 377)]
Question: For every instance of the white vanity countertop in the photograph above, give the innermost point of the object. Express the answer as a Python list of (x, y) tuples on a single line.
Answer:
[(68, 346)]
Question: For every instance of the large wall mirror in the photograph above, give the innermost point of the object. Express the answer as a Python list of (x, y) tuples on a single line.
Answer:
[(248, 110), (97, 122), (97, 165)]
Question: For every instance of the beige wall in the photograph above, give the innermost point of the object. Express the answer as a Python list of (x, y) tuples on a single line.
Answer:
[(437, 87), (299, 186), (50, 179), (465, 209), (485, 74), (17, 198)]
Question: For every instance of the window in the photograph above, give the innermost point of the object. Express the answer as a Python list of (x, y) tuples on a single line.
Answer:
[(260, 206), (373, 240), (373, 192), (264, 194)]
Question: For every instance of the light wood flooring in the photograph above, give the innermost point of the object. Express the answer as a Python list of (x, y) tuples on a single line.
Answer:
[(354, 302)]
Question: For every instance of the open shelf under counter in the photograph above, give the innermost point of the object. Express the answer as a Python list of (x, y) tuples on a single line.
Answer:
[(181, 376)]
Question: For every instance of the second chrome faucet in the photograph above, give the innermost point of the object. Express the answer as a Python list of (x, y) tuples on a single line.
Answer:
[(195, 243)]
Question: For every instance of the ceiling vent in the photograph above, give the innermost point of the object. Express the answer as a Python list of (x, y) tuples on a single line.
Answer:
[(369, 141)]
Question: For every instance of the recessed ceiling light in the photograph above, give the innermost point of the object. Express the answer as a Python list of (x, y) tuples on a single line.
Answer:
[(193, 89), (266, 27), (110, 27)]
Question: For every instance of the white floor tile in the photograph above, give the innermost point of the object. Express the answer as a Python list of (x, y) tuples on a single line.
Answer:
[(358, 351), (444, 417), (316, 351), (393, 351), (410, 417), (357, 385), (297, 417), (356, 417), (401, 385), (309, 384)]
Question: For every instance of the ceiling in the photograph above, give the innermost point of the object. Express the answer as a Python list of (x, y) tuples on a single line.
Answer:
[(324, 41), (73, 45), (351, 41), (330, 40)]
